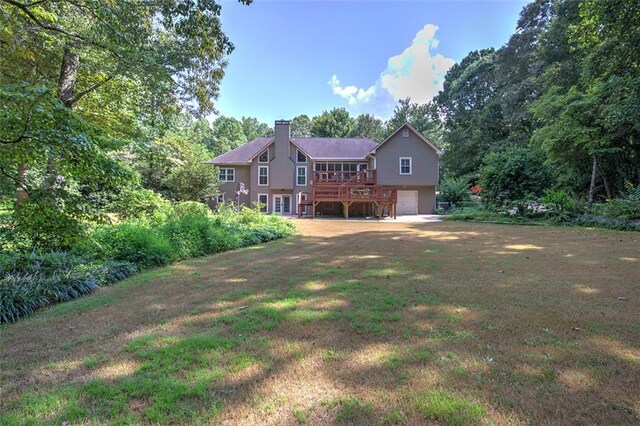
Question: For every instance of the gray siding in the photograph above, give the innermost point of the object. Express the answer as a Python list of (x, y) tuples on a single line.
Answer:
[(424, 161), (243, 174)]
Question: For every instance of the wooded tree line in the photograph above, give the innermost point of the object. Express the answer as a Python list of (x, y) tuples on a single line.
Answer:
[(566, 88), (98, 102)]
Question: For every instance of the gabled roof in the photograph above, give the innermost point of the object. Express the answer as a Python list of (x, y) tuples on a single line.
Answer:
[(335, 148), (414, 130), (314, 148), (244, 153)]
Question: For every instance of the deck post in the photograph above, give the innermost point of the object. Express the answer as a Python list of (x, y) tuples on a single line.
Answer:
[(345, 206)]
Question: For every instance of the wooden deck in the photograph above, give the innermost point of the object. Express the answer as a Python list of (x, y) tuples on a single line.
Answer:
[(348, 188)]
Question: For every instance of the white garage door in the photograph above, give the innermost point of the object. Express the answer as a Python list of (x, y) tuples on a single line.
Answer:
[(407, 202)]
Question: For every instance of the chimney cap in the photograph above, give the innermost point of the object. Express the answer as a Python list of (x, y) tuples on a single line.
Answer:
[(280, 122)]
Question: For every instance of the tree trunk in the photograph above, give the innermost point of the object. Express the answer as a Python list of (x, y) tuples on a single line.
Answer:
[(68, 75), (605, 183), (21, 195), (592, 186)]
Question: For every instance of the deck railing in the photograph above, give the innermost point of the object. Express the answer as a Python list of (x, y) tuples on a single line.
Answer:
[(362, 177), (354, 193)]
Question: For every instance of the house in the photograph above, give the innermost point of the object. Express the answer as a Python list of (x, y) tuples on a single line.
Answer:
[(332, 176)]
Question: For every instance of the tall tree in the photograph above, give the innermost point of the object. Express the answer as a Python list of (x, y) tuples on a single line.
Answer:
[(472, 113), (252, 128), (368, 126), (336, 123), (424, 117), (156, 53), (227, 135), (301, 126)]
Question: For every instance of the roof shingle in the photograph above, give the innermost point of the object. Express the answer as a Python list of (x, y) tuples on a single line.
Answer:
[(335, 148), (243, 153), (316, 148)]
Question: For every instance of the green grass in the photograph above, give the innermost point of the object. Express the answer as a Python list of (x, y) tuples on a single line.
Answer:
[(449, 409)]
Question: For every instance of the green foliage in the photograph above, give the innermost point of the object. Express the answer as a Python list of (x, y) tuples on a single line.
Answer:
[(32, 281), (454, 190), (559, 204), (113, 252), (227, 135), (627, 206), (336, 123), (133, 202), (513, 174)]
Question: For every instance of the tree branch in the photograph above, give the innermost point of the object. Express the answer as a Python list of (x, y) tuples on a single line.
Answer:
[(25, 8), (16, 180), (25, 127), (90, 89)]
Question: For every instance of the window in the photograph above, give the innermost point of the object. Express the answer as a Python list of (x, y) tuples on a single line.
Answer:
[(301, 176), (227, 175), (220, 198), (405, 165), (405, 133), (264, 157), (263, 175), (301, 157), (263, 201)]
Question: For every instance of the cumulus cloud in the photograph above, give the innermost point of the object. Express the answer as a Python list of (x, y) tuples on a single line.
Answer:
[(352, 94), (415, 73)]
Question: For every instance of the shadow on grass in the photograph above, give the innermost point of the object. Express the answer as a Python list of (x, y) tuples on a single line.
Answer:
[(378, 313)]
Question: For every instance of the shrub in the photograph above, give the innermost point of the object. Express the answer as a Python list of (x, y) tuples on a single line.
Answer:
[(132, 241), (47, 226), (454, 190), (137, 202), (514, 174), (114, 252), (627, 206)]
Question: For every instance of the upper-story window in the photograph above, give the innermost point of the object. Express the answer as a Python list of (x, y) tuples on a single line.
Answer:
[(301, 176), (264, 157), (406, 166), (263, 175), (405, 133), (301, 158), (227, 175)]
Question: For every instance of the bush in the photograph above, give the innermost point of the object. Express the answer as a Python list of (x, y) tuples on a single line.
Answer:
[(137, 202), (454, 190), (627, 206), (132, 241), (114, 252), (513, 174)]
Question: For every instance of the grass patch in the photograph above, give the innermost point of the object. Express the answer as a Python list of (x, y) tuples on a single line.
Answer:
[(449, 409)]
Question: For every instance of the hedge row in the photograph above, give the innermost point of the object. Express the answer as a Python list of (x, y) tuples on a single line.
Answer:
[(111, 253)]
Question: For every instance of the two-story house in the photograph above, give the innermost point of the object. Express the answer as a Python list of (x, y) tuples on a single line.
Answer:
[(332, 176)]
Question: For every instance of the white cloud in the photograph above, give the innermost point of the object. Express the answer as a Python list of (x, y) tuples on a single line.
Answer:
[(414, 73), (351, 93)]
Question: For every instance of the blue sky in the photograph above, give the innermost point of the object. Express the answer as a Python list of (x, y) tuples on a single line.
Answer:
[(303, 57)]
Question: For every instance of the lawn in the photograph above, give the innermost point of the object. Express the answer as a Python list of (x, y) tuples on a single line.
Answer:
[(349, 322)]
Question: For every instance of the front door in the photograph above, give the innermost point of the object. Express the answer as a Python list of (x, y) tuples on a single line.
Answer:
[(282, 204)]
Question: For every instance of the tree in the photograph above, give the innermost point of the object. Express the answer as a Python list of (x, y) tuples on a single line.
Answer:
[(72, 69), (301, 126), (473, 118), (252, 128), (513, 175), (227, 135), (368, 126), (424, 117), (336, 123)]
